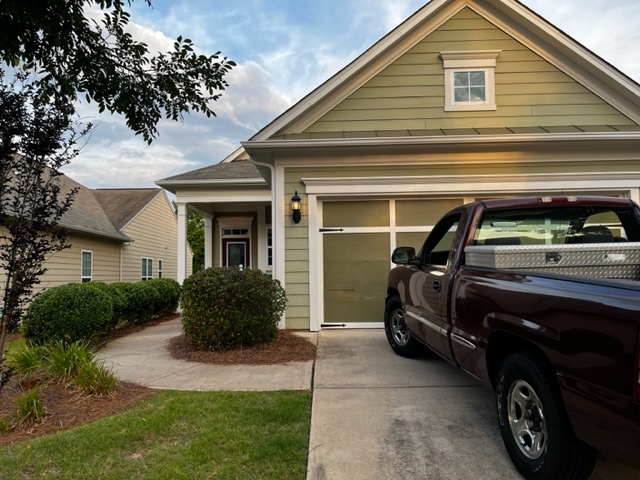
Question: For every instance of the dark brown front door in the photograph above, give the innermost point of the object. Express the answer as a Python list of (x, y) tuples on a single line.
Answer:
[(235, 252)]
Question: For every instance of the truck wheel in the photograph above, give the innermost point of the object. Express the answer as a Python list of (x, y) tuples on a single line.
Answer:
[(534, 426), (398, 336)]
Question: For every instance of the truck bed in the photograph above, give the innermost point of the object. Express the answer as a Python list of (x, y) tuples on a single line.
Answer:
[(598, 260)]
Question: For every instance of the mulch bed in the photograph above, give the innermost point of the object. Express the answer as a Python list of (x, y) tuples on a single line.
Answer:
[(68, 407), (288, 347)]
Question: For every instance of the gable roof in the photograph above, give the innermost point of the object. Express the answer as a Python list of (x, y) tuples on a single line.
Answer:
[(515, 19), (86, 214), (235, 169), (121, 205)]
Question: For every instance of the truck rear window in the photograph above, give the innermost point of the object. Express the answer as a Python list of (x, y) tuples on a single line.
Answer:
[(557, 225)]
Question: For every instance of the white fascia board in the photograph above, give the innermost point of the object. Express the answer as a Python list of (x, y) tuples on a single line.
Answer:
[(462, 184), (226, 198)]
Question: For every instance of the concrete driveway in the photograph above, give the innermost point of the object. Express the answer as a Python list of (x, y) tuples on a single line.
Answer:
[(375, 416), (378, 416)]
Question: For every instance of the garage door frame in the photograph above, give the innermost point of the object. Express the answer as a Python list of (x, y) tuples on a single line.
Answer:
[(469, 187)]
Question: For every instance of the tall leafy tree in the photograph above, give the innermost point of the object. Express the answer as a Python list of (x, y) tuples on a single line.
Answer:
[(36, 139), (83, 53)]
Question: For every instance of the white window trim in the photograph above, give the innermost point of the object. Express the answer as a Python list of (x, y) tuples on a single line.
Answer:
[(83, 277), (160, 267), (148, 261), (467, 61)]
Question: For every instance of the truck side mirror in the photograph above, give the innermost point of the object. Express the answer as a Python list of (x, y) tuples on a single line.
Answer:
[(403, 255)]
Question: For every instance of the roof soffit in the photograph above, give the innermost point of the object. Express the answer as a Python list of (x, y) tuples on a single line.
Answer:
[(512, 17)]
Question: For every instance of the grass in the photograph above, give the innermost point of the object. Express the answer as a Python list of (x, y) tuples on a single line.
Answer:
[(177, 435)]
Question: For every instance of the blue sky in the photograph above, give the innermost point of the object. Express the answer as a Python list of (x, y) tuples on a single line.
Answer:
[(285, 49)]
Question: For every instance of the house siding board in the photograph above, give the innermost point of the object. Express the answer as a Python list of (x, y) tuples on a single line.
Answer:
[(154, 230), (64, 266), (409, 93)]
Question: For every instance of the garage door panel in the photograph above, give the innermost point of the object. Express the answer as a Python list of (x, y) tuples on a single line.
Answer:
[(356, 266), (423, 212), (374, 213)]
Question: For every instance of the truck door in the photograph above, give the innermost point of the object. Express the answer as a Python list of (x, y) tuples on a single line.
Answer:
[(428, 313)]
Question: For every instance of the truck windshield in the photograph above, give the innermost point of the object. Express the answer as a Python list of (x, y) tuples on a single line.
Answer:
[(557, 225)]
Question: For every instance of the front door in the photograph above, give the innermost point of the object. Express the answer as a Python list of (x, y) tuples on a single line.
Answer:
[(235, 252)]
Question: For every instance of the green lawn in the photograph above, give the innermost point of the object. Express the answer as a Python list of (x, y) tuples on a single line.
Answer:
[(177, 435)]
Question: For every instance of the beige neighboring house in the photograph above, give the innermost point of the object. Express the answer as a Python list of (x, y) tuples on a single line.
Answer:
[(465, 100), (119, 234)]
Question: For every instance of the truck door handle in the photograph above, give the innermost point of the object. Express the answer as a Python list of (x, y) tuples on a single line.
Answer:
[(437, 286)]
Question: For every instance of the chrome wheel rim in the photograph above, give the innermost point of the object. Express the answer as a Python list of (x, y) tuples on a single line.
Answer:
[(526, 419), (398, 329)]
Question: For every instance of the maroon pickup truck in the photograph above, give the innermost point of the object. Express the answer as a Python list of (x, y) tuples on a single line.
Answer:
[(538, 298)]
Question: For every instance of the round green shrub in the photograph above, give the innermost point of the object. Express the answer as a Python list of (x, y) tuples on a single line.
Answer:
[(144, 301), (117, 300), (70, 312), (227, 307), (123, 299), (169, 291)]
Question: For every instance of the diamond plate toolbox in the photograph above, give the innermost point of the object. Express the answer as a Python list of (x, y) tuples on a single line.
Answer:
[(604, 260)]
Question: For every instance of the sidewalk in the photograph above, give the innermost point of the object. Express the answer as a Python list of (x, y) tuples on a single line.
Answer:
[(142, 358)]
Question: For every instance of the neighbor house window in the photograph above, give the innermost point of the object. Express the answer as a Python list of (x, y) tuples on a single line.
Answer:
[(147, 268), (469, 80), (86, 267), (160, 268)]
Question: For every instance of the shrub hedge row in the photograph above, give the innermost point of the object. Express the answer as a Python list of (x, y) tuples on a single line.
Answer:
[(227, 307), (80, 311)]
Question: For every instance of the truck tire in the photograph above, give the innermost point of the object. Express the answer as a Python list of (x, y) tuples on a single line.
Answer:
[(398, 336), (534, 425)]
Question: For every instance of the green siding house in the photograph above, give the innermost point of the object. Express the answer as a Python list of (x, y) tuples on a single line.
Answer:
[(466, 100)]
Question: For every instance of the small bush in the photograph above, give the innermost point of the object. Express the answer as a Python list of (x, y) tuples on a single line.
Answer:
[(169, 291), (144, 299), (26, 359), (228, 307), (123, 296), (69, 312), (64, 361), (95, 378), (4, 425), (29, 408)]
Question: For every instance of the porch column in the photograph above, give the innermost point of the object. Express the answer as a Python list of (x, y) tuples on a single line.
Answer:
[(208, 241), (182, 242)]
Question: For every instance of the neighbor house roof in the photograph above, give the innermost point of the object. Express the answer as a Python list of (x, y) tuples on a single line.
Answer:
[(123, 204), (104, 212), (86, 214)]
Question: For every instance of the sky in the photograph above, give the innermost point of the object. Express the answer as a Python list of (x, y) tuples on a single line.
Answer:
[(284, 49)]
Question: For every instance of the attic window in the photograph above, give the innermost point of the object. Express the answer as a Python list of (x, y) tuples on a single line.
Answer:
[(469, 80)]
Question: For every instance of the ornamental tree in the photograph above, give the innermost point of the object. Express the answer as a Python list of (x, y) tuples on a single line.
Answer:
[(36, 140), (79, 56)]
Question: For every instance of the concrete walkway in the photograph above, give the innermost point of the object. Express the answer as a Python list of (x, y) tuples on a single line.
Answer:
[(143, 358), (375, 416)]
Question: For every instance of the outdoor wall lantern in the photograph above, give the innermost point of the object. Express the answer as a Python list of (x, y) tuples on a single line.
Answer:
[(295, 208)]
